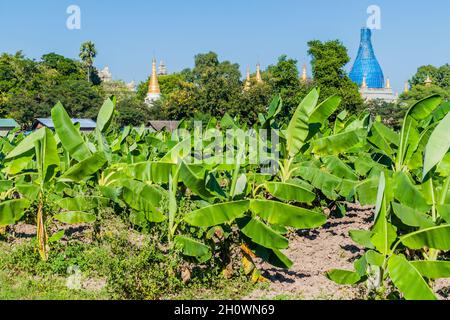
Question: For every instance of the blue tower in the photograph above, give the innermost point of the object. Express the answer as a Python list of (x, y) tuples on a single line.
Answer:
[(366, 64)]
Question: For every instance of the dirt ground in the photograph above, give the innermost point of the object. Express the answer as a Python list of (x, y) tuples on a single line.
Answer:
[(315, 252)]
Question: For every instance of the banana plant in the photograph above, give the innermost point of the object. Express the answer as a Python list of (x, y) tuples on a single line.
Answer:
[(41, 172), (386, 257), (407, 216)]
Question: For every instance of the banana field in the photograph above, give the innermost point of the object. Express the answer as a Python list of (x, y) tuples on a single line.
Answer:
[(248, 188)]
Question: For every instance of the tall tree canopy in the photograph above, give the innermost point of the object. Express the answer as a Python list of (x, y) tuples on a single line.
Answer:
[(29, 89), (440, 77), (88, 52), (328, 61)]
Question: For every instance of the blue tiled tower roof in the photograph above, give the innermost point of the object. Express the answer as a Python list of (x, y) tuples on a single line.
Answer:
[(366, 64)]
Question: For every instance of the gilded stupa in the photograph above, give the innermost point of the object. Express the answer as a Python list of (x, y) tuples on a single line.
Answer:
[(248, 81), (304, 78), (428, 81), (258, 74), (154, 92)]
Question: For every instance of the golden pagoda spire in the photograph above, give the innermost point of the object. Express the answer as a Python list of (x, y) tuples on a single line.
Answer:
[(388, 83), (304, 74), (428, 81), (258, 74), (248, 81), (364, 83), (153, 87), (406, 87)]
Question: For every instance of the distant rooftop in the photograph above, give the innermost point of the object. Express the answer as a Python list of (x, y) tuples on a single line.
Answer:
[(84, 123), (8, 123), (159, 125)]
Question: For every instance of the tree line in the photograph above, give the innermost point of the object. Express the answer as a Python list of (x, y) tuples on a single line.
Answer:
[(30, 88)]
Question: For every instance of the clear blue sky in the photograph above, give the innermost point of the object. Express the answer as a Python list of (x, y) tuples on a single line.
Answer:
[(128, 33)]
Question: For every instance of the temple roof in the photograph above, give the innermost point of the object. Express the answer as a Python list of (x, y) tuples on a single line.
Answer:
[(153, 87), (366, 64)]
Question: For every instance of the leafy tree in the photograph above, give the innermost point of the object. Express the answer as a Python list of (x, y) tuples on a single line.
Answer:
[(87, 55), (219, 83), (441, 84), (132, 111), (79, 98), (64, 66), (284, 81), (328, 62), (391, 114), (119, 89), (251, 103), (440, 76), (210, 88), (420, 92)]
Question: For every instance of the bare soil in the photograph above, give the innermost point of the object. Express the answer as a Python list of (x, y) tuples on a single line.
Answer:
[(314, 252)]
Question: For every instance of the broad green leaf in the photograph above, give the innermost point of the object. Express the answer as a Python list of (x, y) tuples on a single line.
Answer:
[(435, 238), (374, 258), (85, 168), (433, 269), (82, 203), (423, 109), (179, 151), (408, 194), (156, 172), (339, 168), (443, 168), (227, 122), (274, 257), (56, 237), (361, 266), (321, 180), (217, 214), (194, 182), (138, 219), (343, 277), (6, 185), (191, 247), (380, 195), (70, 137), (275, 108), (364, 164), (384, 138), (289, 192), (324, 110), (277, 213), (411, 217), (28, 191), (18, 165), (26, 144), (438, 145), (75, 217), (241, 184), (362, 237), (408, 279), (144, 198), (105, 115), (50, 155), (367, 191), (262, 234), (339, 143), (384, 233), (298, 128), (444, 211), (12, 211)]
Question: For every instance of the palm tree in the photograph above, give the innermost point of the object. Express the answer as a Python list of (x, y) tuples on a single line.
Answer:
[(87, 55)]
